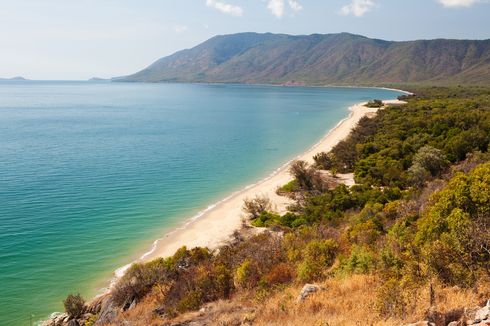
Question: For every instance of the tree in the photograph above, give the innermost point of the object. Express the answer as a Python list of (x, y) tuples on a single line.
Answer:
[(431, 159), (324, 160), (74, 305), (255, 207), (307, 176), (374, 104)]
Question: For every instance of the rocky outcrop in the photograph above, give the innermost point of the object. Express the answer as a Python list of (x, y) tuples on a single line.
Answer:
[(481, 316), (103, 307), (108, 311)]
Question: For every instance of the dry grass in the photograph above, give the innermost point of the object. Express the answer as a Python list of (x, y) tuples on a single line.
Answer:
[(352, 301), (343, 301), (347, 301)]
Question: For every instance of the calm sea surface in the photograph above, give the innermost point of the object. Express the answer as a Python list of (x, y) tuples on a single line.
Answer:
[(92, 173)]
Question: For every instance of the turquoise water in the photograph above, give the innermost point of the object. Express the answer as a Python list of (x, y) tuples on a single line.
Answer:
[(92, 173)]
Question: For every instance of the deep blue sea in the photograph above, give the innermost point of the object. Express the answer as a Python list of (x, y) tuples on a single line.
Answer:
[(92, 172)]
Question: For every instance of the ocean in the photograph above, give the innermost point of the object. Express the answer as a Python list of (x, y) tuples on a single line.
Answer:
[(92, 172)]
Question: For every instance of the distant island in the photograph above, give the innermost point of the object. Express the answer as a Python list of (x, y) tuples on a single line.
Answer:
[(322, 59), (98, 79), (17, 78)]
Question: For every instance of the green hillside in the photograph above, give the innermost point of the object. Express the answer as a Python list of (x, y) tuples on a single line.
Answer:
[(323, 59)]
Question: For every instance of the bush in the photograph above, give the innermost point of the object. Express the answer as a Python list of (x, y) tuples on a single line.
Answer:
[(280, 274), (266, 219), (431, 159), (374, 104), (360, 261), (307, 177), (389, 300), (246, 275), (291, 186), (318, 256), (324, 161), (255, 207), (74, 305)]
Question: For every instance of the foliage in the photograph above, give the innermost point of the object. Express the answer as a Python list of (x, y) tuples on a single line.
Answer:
[(307, 177), (257, 206), (374, 104), (389, 299), (289, 187), (382, 149), (324, 161), (318, 255), (74, 305)]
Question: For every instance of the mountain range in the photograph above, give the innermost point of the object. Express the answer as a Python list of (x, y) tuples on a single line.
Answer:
[(326, 59)]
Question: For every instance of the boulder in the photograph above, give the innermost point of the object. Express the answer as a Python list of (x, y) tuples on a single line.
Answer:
[(57, 319), (482, 314), (108, 312), (306, 291), (422, 323), (73, 322)]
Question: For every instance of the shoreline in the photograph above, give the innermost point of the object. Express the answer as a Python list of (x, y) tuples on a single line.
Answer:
[(215, 225)]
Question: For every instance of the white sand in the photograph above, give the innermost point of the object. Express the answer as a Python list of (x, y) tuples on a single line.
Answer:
[(217, 225)]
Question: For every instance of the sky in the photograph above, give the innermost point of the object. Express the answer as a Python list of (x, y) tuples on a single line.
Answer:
[(76, 40)]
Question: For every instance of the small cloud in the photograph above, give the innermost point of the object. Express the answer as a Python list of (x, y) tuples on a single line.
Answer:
[(278, 7), (180, 28), (357, 8), (225, 8), (458, 3), (295, 5)]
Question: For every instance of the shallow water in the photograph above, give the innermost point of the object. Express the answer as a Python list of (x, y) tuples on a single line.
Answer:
[(92, 173)]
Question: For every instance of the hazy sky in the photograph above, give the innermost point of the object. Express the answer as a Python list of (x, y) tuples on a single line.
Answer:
[(68, 39)]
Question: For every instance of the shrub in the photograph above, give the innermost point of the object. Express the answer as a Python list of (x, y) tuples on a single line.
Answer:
[(360, 261), (92, 320), (389, 299), (255, 207), (246, 275), (280, 274), (431, 159), (324, 161), (307, 177), (291, 186), (266, 219), (307, 271), (374, 104), (318, 256), (74, 305)]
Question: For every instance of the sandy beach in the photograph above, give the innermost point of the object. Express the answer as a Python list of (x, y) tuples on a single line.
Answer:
[(216, 225)]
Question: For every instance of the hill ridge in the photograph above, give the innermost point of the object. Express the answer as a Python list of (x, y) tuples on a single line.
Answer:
[(320, 59)]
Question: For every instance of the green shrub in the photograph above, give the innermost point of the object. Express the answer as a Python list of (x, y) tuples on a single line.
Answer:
[(318, 256), (92, 320), (374, 104), (360, 261), (291, 186), (246, 275), (389, 300), (256, 206), (324, 161), (266, 219)]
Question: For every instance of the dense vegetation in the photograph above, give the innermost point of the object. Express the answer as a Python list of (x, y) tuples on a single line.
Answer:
[(322, 59), (419, 215)]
